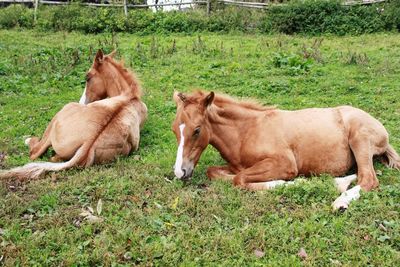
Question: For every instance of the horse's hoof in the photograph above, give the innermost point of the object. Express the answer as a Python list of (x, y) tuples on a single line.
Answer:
[(342, 209), (339, 206), (27, 141)]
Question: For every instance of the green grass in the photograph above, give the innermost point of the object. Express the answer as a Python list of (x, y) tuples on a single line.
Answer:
[(149, 220)]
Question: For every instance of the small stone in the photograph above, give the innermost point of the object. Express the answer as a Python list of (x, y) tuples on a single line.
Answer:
[(302, 254), (128, 256), (259, 253)]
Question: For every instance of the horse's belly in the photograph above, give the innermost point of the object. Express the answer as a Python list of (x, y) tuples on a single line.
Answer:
[(108, 154), (319, 141), (333, 158)]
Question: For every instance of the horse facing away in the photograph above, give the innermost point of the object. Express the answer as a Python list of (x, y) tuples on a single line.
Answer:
[(265, 146), (95, 133)]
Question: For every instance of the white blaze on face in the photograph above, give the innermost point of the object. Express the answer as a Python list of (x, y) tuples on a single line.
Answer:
[(83, 99), (179, 155), (346, 197)]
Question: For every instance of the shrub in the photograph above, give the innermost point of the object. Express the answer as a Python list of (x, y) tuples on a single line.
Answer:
[(312, 17), (16, 16), (316, 17), (391, 13)]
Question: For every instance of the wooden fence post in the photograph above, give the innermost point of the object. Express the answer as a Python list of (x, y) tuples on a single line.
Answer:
[(125, 9), (208, 7), (36, 3)]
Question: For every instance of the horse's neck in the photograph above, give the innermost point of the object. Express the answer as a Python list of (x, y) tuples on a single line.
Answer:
[(227, 126), (115, 87), (116, 84)]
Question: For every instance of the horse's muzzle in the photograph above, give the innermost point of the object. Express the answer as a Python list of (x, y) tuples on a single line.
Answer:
[(187, 173)]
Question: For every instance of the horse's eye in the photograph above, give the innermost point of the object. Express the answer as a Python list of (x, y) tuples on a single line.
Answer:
[(88, 78), (196, 131)]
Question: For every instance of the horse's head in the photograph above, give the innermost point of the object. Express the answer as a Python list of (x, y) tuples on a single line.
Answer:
[(107, 78), (192, 130)]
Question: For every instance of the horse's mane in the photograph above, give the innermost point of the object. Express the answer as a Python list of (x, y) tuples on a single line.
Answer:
[(222, 100), (128, 75)]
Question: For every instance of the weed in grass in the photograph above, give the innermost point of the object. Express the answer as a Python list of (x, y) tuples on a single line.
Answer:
[(294, 64), (313, 51), (355, 58)]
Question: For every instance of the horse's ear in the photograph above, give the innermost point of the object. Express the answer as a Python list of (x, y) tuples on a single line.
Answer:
[(99, 57), (179, 98), (112, 54), (208, 99)]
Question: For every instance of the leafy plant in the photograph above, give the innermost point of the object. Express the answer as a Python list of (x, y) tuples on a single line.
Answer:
[(293, 63)]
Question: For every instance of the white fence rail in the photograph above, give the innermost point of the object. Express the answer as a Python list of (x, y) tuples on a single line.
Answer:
[(125, 5), (268, 4)]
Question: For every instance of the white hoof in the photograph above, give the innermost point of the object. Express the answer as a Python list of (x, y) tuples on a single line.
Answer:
[(27, 140), (343, 201)]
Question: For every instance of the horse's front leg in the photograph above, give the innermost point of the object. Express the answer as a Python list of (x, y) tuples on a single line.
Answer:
[(220, 172), (268, 173)]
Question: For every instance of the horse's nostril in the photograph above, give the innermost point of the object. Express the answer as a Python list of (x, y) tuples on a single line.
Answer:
[(184, 172)]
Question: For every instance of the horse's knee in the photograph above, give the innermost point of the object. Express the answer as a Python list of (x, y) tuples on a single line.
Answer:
[(291, 173), (31, 142), (210, 172), (238, 181)]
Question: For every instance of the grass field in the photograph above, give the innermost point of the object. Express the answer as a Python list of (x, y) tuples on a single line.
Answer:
[(148, 219)]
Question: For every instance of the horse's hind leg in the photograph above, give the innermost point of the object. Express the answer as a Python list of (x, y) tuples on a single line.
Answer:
[(363, 149), (38, 147)]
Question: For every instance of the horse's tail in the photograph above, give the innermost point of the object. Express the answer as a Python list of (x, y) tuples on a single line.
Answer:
[(37, 169), (391, 159)]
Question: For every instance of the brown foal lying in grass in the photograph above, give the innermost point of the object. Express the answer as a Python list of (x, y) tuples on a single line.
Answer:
[(81, 135), (265, 146)]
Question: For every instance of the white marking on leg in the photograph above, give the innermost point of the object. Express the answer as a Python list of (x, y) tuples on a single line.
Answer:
[(83, 99), (179, 155), (27, 140), (346, 197), (342, 183), (273, 184)]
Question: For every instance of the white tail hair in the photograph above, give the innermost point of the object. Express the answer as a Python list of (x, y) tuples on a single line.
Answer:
[(37, 169)]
